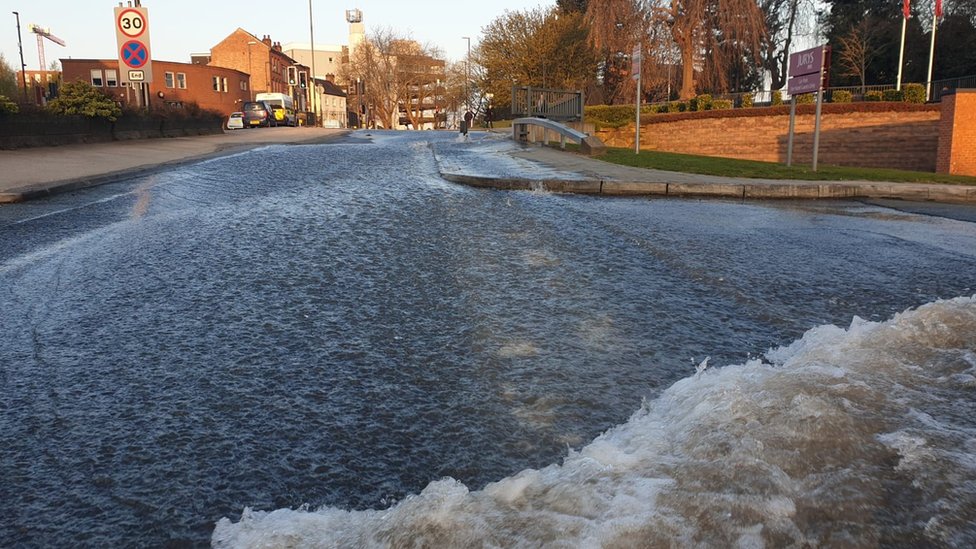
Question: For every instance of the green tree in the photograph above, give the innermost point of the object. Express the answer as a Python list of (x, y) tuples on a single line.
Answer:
[(7, 106), (8, 79), (80, 98)]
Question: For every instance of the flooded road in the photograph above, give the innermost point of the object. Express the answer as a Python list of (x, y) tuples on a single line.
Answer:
[(334, 326)]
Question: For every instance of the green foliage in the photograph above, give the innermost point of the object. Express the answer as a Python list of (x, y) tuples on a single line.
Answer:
[(746, 101), (8, 79), (701, 102), (662, 108), (873, 95), (892, 95), (610, 116), (913, 93), (804, 99), (7, 106), (777, 98), (80, 98), (841, 96), (721, 104)]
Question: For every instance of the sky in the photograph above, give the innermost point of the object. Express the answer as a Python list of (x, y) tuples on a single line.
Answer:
[(180, 27)]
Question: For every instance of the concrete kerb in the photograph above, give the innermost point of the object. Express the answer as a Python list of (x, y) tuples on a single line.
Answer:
[(705, 186)]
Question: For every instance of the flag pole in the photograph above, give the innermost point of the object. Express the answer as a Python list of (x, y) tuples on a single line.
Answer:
[(935, 23), (901, 51)]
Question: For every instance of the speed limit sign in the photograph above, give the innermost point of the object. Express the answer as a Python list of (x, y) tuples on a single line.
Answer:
[(131, 23), (132, 36)]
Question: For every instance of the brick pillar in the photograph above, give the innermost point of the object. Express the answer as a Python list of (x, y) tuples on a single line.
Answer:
[(957, 134)]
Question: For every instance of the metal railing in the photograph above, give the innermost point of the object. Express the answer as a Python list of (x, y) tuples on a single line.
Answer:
[(562, 105)]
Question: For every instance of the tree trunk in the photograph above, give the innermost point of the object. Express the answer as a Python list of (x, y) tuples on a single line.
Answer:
[(687, 72)]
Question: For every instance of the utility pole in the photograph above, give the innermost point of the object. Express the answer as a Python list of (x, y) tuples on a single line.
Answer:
[(314, 87), (23, 66), (467, 75)]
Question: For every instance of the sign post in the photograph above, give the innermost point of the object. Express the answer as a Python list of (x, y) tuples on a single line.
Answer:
[(135, 59), (635, 68), (808, 72)]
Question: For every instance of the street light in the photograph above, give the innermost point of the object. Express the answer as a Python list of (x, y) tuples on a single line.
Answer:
[(23, 66), (314, 88), (467, 74)]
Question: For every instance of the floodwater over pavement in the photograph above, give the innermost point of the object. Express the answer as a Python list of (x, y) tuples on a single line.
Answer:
[(328, 345)]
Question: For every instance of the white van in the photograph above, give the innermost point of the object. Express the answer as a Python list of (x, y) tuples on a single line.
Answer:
[(283, 106)]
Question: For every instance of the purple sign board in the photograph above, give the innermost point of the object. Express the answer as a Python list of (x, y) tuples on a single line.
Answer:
[(804, 84), (805, 70)]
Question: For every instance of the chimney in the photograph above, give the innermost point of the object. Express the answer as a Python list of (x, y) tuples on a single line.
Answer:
[(277, 46), (267, 40)]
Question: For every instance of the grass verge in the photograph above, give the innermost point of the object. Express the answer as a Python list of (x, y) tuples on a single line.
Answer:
[(730, 167)]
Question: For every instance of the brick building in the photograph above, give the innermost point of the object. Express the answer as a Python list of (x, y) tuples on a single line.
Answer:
[(263, 59), (41, 85), (175, 84)]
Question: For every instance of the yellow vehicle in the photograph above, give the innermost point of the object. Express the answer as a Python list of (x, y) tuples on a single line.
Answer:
[(282, 105)]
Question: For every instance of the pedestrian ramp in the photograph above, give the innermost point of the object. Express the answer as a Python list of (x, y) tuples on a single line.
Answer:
[(522, 132)]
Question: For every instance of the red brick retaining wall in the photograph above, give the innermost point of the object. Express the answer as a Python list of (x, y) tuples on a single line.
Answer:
[(881, 135), (957, 142)]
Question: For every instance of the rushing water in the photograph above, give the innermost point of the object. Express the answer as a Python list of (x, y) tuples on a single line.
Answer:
[(352, 352)]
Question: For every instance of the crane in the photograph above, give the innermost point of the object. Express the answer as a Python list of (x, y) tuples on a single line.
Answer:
[(43, 33)]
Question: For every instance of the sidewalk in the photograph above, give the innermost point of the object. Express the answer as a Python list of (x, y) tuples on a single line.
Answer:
[(594, 176), (35, 172)]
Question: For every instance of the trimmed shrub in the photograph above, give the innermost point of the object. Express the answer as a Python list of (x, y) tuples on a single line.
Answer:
[(804, 99), (873, 95), (892, 95), (746, 101), (777, 98), (721, 104), (913, 93), (663, 108), (676, 106), (82, 99), (7, 106), (702, 102), (841, 96), (610, 116)]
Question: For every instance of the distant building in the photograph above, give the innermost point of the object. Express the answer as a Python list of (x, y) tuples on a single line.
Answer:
[(328, 58), (174, 84), (263, 59), (42, 86), (332, 104)]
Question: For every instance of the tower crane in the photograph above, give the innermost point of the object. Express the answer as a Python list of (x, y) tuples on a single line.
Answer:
[(43, 33)]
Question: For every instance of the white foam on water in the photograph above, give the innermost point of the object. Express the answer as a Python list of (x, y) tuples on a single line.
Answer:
[(853, 437)]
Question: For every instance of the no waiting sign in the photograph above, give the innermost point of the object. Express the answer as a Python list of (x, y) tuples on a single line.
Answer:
[(132, 37)]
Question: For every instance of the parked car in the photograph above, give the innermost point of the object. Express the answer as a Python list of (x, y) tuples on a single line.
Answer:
[(235, 121), (258, 113)]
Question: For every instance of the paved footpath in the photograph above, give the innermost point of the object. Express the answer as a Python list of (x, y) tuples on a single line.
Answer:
[(41, 171), (37, 172)]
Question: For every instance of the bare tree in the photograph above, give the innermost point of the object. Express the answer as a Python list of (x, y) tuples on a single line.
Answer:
[(717, 29), (398, 74), (616, 27), (857, 49)]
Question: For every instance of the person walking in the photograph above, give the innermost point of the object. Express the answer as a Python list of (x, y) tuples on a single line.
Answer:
[(489, 114), (466, 125)]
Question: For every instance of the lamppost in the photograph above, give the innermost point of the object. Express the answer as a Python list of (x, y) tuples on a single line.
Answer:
[(314, 87), (467, 74), (23, 66)]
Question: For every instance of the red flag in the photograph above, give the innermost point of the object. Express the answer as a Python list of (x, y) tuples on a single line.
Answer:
[(938, 8), (906, 9)]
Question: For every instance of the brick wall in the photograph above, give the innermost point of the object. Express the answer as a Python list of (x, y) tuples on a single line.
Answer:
[(957, 140), (263, 59), (198, 79), (877, 135)]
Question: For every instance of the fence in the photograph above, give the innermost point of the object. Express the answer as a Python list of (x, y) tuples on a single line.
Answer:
[(560, 105)]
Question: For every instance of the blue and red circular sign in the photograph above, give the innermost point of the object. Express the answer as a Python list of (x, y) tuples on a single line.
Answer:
[(135, 54)]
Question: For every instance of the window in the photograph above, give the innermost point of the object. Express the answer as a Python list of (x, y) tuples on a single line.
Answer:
[(181, 80), (223, 83), (96, 78), (170, 80), (243, 85), (111, 78), (216, 83)]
